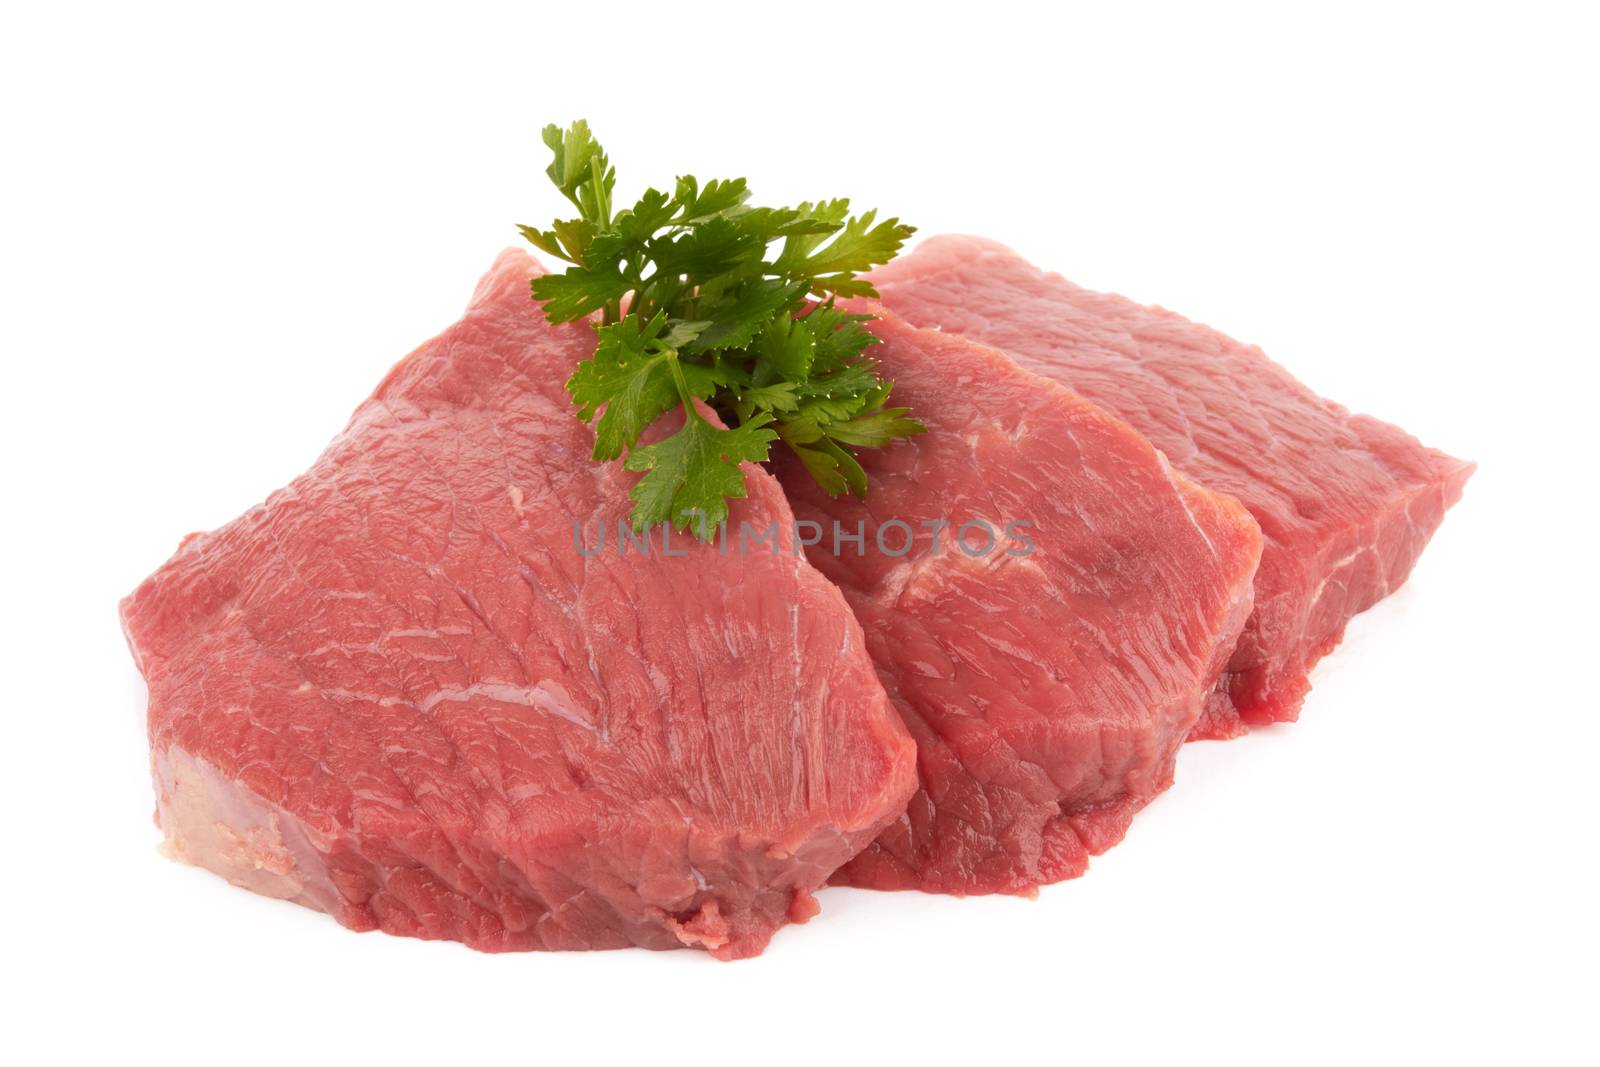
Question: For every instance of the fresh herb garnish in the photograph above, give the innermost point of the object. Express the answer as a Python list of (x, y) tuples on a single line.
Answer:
[(692, 306)]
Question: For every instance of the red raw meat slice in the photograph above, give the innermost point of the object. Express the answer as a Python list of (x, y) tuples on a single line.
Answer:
[(1049, 691), (1346, 503), (397, 692)]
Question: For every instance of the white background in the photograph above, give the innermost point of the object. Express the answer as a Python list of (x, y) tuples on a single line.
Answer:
[(223, 223)]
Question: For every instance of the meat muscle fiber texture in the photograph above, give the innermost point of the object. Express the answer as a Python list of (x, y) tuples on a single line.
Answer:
[(1346, 503), (1049, 689), (397, 691)]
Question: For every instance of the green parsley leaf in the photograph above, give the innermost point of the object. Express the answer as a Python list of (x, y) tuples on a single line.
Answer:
[(833, 468), (546, 241), (629, 379), (787, 349), (859, 246), (578, 293), (779, 396), (692, 474), (741, 317), (876, 429), (580, 170), (717, 198)]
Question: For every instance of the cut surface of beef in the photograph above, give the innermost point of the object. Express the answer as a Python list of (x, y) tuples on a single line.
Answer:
[(1049, 679), (1346, 503), (405, 692)]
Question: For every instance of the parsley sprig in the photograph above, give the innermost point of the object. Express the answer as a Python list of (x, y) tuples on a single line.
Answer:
[(698, 296)]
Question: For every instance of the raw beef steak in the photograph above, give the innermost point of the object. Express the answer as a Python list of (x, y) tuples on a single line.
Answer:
[(399, 693), (1050, 680), (1346, 503)]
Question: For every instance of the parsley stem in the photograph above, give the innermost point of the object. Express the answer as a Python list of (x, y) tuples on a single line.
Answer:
[(602, 195), (682, 383)]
